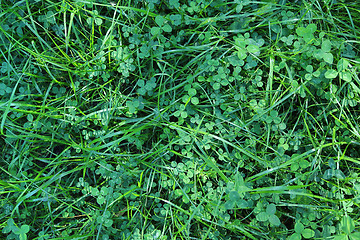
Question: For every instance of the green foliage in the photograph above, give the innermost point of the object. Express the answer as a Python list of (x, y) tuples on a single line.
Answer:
[(19, 232), (168, 119), (347, 227)]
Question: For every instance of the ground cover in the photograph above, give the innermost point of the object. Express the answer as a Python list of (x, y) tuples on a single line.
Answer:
[(169, 119)]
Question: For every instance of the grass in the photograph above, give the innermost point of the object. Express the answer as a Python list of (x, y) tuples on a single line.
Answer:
[(179, 119)]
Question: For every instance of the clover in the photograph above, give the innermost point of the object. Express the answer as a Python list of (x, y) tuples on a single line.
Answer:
[(181, 113), (162, 26), (342, 69), (193, 8), (105, 219), (288, 40), (275, 120), (94, 18), (269, 215), (301, 231), (244, 46), (134, 105), (302, 164), (5, 67), (4, 89), (48, 19), (307, 33), (146, 87), (311, 73), (20, 232), (176, 19)]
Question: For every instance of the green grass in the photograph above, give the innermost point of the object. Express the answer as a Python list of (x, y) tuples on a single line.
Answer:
[(177, 119)]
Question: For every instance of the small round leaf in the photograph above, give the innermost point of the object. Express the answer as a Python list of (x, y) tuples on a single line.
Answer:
[(295, 236), (155, 30), (328, 57), (308, 233), (100, 200), (271, 209), (299, 227), (253, 48), (331, 73), (274, 220), (192, 92), (167, 28), (262, 217), (160, 20), (195, 100)]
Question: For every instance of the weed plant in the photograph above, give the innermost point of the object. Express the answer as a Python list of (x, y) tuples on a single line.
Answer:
[(179, 119)]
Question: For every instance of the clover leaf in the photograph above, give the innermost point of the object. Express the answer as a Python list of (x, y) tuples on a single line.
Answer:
[(162, 26), (4, 89), (342, 64), (300, 230), (328, 57), (195, 100), (105, 219), (181, 112), (253, 49), (10, 225), (329, 173), (269, 215), (22, 231), (342, 67), (331, 73), (176, 19), (324, 53), (302, 164), (48, 19), (94, 18), (288, 40), (236, 192), (5, 67), (307, 33), (326, 45), (308, 233), (155, 31), (174, 3), (194, 7)]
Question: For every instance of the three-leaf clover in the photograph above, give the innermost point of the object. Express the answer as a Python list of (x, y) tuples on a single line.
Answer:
[(4, 89), (342, 67), (181, 112), (146, 87), (98, 21), (176, 19), (307, 33), (174, 3), (22, 231), (302, 164), (162, 26), (245, 45), (310, 72), (135, 104), (324, 52), (269, 215), (100, 195), (237, 190), (276, 120), (301, 231), (105, 219)]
